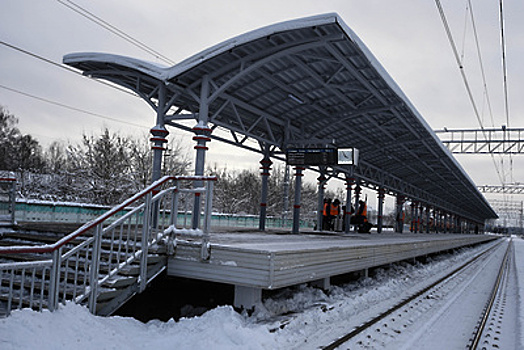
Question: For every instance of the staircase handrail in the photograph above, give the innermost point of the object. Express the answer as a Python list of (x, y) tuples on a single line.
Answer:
[(87, 278), (47, 248)]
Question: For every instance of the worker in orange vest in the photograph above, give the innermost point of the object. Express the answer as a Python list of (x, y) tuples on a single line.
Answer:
[(326, 214), (334, 212), (362, 211), (361, 219)]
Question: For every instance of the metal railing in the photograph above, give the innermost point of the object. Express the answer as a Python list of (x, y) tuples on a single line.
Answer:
[(79, 266)]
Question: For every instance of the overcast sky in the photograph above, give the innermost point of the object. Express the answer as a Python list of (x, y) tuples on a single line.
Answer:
[(406, 36)]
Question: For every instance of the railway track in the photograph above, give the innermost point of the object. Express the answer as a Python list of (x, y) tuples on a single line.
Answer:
[(420, 318), (487, 334)]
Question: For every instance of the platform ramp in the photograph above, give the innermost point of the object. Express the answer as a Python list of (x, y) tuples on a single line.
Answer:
[(108, 260)]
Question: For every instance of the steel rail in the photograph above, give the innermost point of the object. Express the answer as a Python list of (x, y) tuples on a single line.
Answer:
[(335, 344), (494, 292)]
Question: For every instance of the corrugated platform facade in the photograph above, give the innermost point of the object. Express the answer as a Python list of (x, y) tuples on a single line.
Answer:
[(253, 261)]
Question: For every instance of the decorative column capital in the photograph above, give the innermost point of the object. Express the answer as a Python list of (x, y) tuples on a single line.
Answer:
[(159, 133)]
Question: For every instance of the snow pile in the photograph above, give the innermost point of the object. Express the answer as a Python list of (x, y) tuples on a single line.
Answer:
[(73, 327)]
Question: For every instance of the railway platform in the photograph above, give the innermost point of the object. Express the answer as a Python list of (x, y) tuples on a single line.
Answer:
[(254, 261)]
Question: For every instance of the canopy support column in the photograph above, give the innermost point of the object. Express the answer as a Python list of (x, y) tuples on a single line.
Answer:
[(381, 195), (159, 134), (412, 216), (285, 202), (420, 213), (265, 167), (320, 203), (350, 181), (202, 132), (435, 220), (427, 218), (400, 215), (357, 199), (296, 206)]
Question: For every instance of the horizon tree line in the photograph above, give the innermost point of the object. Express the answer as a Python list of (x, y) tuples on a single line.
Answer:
[(110, 167)]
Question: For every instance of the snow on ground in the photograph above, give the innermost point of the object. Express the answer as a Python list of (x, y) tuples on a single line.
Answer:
[(311, 311)]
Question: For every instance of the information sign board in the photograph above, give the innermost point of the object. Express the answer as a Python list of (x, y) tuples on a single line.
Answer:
[(311, 156)]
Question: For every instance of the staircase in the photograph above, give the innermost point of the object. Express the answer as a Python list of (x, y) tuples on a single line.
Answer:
[(108, 260)]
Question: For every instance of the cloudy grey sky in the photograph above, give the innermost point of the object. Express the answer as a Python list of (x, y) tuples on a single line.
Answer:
[(406, 36)]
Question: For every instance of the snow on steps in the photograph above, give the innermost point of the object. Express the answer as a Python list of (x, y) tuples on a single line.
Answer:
[(112, 294)]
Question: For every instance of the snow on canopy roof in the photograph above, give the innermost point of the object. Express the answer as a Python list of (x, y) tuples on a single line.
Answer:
[(308, 79)]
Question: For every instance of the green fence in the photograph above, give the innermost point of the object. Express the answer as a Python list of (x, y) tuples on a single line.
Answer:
[(63, 212)]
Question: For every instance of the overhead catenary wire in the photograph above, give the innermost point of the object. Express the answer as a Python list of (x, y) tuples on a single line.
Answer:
[(465, 79), (59, 104), (113, 29), (484, 81), (481, 63), (59, 65)]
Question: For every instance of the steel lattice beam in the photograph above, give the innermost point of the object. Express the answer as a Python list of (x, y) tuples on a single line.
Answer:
[(483, 141), (512, 189)]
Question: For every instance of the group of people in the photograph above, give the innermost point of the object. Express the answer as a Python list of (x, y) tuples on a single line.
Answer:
[(334, 216)]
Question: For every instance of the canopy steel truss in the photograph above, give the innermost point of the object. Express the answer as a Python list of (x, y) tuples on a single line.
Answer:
[(483, 141), (307, 79)]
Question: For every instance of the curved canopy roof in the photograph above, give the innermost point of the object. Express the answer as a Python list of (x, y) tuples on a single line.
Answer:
[(306, 82)]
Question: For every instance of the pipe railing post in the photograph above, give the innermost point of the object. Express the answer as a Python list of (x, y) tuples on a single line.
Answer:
[(145, 242), (54, 280), (205, 252), (173, 218), (208, 208), (94, 269), (174, 205)]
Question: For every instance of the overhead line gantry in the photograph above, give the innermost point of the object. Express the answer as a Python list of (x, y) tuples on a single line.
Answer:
[(483, 141)]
